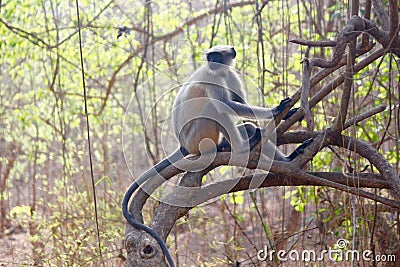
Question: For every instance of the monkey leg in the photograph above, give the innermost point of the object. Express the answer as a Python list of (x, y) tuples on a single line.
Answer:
[(200, 136), (224, 145), (300, 149), (251, 132), (248, 131), (270, 150)]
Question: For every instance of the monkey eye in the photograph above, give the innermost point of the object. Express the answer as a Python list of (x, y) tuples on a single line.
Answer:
[(215, 57)]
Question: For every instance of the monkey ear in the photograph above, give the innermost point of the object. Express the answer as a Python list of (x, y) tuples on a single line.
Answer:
[(233, 53)]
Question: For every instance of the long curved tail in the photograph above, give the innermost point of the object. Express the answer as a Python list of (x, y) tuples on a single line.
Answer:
[(180, 153)]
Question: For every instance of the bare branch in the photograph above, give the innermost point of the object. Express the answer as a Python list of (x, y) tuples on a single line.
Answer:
[(169, 214), (204, 193), (383, 17), (136, 241), (314, 43), (369, 152), (363, 116), (328, 137), (394, 25), (348, 85), (285, 125), (305, 94), (353, 28)]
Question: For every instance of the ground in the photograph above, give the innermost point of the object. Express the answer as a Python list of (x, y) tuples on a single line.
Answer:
[(14, 249)]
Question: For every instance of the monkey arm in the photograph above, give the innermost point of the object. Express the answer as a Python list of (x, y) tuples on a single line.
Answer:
[(290, 113), (253, 112), (250, 112), (235, 97), (222, 101)]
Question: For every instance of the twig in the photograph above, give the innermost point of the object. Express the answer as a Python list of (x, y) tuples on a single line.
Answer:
[(305, 94), (364, 116), (314, 43)]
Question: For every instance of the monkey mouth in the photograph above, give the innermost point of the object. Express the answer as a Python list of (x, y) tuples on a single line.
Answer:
[(214, 65)]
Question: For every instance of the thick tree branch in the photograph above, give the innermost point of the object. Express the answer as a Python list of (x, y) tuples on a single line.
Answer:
[(167, 215), (369, 152), (199, 195), (353, 28)]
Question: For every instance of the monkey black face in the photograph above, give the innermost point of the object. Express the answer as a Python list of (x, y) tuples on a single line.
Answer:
[(220, 55)]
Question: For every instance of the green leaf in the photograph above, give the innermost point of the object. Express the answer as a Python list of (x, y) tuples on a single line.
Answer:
[(104, 178)]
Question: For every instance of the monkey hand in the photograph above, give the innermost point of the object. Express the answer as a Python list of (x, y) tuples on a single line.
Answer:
[(282, 106), (291, 112)]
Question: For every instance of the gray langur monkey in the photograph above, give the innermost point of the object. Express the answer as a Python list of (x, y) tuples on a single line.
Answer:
[(202, 117)]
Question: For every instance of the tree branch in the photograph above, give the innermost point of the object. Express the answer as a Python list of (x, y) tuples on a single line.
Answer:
[(167, 214), (394, 25), (383, 17), (285, 125), (348, 85)]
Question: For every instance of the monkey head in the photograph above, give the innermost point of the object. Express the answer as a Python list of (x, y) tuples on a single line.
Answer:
[(220, 56)]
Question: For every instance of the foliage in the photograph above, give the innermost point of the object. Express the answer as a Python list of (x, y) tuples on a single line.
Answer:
[(67, 236)]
